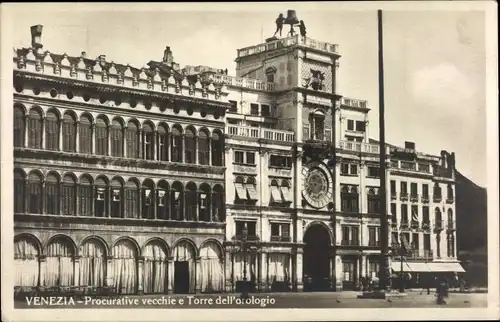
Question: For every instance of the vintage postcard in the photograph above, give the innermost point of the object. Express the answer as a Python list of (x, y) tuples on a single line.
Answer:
[(249, 161)]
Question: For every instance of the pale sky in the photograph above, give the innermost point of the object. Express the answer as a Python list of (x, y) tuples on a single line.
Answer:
[(434, 60)]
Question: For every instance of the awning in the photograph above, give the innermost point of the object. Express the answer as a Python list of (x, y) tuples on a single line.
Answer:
[(287, 194), (446, 267), (276, 194), (410, 267), (252, 192), (240, 191)]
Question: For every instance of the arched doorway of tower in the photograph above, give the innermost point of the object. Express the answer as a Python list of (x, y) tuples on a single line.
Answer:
[(316, 268)]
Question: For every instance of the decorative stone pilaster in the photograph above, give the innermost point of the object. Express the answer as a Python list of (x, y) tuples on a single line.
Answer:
[(170, 274), (299, 265), (76, 276), (229, 272), (198, 273), (77, 137), (140, 275), (60, 129), (42, 259), (338, 273), (110, 278), (263, 283)]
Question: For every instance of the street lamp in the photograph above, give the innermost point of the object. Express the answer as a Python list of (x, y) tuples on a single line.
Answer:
[(245, 245)]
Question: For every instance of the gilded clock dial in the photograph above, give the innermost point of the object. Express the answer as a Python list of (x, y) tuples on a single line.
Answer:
[(317, 186)]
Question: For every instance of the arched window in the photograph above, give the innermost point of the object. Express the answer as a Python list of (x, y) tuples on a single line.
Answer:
[(68, 195), (116, 198), (204, 203), (52, 131), (217, 142), (162, 143), (35, 193), (19, 120), (218, 211), (93, 263), (148, 147), (101, 137), (101, 200), (85, 196), (148, 199), (116, 138), (132, 140), (176, 147), (349, 199), (26, 262), (155, 268), (177, 201), (85, 135), (35, 129), (373, 202), (190, 152), (19, 191), (437, 218), (450, 192), (203, 148), (162, 201), (52, 194), (191, 202), (132, 199), (69, 133), (60, 263)]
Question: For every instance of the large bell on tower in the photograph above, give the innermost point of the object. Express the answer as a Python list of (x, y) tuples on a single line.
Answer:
[(291, 18)]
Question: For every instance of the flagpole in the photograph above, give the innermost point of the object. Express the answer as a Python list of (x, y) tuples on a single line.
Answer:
[(384, 224)]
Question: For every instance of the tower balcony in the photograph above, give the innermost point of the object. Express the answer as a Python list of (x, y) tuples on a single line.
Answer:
[(260, 133), (296, 40), (358, 147)]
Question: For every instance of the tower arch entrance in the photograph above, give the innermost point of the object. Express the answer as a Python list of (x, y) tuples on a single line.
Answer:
[(316, 263)]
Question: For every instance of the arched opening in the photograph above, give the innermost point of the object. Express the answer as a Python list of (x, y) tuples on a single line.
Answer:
[(60, 263), (26, 262), (93, 263), (125, 267), (184, 268), (212, 270), (155, 268), (69, 132), (117, 138), (52, 131), (19, 126), (85, 135), (316, 267)]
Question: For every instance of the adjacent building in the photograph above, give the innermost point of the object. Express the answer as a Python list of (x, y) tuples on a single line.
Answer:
[(149, 180)]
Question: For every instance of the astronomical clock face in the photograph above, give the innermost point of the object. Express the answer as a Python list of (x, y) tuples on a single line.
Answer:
[(317, 184)]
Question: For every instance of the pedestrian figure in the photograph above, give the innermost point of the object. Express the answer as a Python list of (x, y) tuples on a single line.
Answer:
[(441, 292), (279, 24), (302, 28)]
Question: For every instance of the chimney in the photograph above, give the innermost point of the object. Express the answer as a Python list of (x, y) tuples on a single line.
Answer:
[(84, 54), (409, 145), (102, 58), (36, 36)]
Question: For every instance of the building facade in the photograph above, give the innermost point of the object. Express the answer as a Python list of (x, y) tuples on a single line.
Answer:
[(119, 175), (147, 180)]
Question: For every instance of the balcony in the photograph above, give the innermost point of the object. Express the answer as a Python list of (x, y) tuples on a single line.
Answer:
[(411, 166), (414, 198), (359, 147), (425, 199), (450, 226), (404, 225), (414, 224), (437, 198), (403, 196), (426, 225), (250, 238), (285, 239), (394, 195), (288, 42), (353, 102), (239, 82), (450, 200), (425, 168), (374, 243), (420, 254), (350, 243), (260, 133), (438, 225)]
